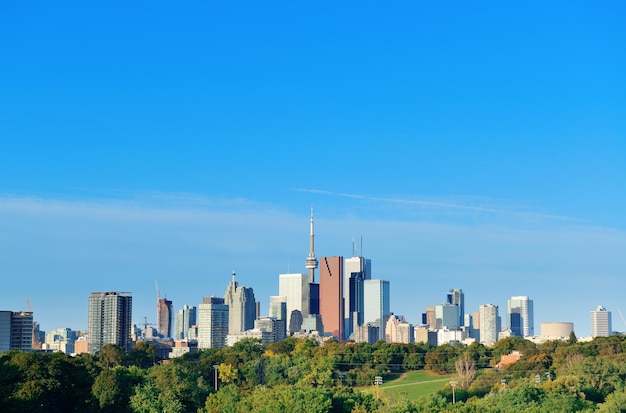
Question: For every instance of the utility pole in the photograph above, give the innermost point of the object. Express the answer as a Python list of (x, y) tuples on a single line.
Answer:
[(378, 380)]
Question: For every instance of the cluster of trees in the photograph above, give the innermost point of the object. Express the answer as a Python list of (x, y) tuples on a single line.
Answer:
[(298, 375)]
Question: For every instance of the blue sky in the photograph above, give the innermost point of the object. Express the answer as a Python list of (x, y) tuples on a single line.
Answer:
[(474, 145)]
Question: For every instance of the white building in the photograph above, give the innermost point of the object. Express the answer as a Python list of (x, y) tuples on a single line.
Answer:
[(295, 288), (355, 271), (398, 330), (212, 323), (600, 322), (489, 323)]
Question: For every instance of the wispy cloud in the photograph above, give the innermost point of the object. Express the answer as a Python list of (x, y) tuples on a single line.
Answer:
[(441, 205)]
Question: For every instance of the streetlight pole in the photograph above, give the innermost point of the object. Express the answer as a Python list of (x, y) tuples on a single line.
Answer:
[(216, 367), (453, 384)]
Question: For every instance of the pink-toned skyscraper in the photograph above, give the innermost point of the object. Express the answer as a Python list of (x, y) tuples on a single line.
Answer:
[(331, 295)]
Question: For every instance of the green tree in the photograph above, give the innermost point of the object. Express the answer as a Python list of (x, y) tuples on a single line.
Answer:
[(111, 355), (142, 355)]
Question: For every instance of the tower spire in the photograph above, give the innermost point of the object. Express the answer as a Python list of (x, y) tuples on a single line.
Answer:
[(311, 261)]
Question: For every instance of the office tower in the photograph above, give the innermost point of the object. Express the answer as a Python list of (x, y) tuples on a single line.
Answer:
[(61, 339), (519, 315), (489, 323), (110, 320), (241, 307), (295, 321), (314, 298), (16, 330), (22, 334), (212, 323), (313, 323), (331, 298), (447, 316), (295, 287), (600, 322), (278, 310), (366, 333), (397, 330), (185, 318), (5, 331), (376, 305), (311, 262), (164, 317), (356, 270), (273, 325), (430, 317), (456, 297)]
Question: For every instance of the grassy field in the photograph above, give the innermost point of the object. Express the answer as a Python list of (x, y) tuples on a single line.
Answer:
[(413, 385)]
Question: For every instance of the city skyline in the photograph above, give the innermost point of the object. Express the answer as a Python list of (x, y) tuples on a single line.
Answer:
[(476, 146)]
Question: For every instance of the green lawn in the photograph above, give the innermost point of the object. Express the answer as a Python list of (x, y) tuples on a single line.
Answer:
[(413, 385)]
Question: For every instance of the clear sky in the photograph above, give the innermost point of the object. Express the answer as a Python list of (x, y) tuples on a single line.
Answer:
[(474, 145)]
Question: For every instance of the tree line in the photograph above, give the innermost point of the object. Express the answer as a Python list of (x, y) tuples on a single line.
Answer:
[(298, 375)]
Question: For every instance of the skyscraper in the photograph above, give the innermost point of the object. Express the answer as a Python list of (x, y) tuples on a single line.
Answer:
[(16, 330), (600, 322), (447, 316), (489, 323), (331, 295), (241, 307), (311, 262), (212, 323), (519, 316), (278, 310), (110, 320), (376, 308), (456, 297), (356, 271), (185, 318), (295, 288), (164, 317)]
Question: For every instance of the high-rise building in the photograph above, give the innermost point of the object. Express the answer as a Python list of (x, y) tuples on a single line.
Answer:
[(278, 310), (600, 322), (377, 305), (212, 323), (331, 295), (456, 297), (295, 287), (356, 270), (5, 330), (311, 262), (314, 298), (164, 317), (61, 339), (273, 325), (519, 316), (241, 307), (110, 320), (16, 330), (430, 318), (489, 323), (447, 316), (398, 330), (185, 318)]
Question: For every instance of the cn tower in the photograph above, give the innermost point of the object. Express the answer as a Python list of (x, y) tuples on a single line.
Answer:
[(311, 261)]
